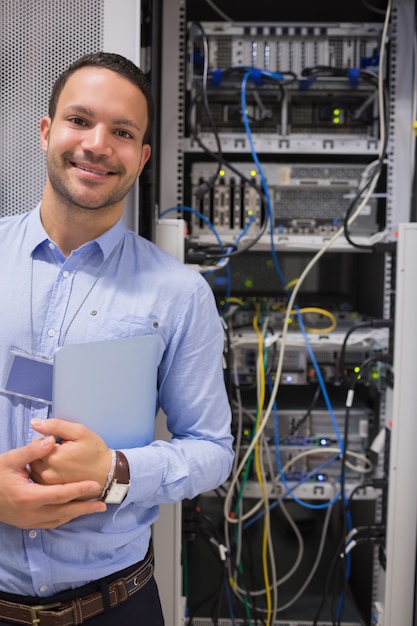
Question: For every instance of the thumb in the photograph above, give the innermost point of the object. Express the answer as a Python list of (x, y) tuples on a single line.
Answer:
[(37, 449), (68, 431)]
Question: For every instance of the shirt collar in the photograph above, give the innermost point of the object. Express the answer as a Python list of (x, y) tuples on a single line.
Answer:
[(37, 235)]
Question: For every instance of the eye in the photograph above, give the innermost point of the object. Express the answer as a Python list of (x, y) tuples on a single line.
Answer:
[(124, 133), (77, 120)]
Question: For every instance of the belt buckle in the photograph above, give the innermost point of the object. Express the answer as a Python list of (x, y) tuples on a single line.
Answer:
[(41, 607)]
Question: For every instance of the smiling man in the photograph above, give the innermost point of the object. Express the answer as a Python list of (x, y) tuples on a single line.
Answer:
[(76, 516), (95, 152)]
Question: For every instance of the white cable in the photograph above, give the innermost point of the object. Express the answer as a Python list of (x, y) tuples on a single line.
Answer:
[(265, 495), (305, 273), (290, 307), (219, 11), (291, 522), (368, 467), (315, 564), (298, 560), (312, 571)]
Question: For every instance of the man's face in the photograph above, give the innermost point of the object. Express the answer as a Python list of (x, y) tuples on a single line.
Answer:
[(94, 143)]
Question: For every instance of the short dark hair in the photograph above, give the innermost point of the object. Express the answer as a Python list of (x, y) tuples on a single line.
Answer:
[(110, 61)]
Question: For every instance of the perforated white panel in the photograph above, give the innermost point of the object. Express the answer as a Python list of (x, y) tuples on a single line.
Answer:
[(39, 38)]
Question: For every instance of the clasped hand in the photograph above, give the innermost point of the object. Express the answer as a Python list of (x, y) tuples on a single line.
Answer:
[(46, 484)]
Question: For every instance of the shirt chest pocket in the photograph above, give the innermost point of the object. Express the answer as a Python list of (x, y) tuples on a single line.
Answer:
[(100, 329)]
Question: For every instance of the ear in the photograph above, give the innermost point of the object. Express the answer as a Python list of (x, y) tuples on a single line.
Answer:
[(146, 153), (44, 128)]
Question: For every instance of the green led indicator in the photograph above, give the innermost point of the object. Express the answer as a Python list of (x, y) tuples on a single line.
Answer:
[(336, 112), (249, 283), (336, 120)]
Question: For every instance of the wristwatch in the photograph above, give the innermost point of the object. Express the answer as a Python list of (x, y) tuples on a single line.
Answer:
[(120, 483)]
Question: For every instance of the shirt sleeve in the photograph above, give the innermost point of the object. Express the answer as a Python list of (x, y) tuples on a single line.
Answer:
[(193, 396)]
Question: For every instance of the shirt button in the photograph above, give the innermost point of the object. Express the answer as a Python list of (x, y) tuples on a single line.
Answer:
[(52, 245), (65, 274), (43, 588), (33, 534), (51, 332)]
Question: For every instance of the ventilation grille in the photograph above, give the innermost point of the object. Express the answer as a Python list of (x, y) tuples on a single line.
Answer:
[(39, 38)]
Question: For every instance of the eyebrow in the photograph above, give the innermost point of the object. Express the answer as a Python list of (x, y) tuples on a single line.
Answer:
[(79, 108)]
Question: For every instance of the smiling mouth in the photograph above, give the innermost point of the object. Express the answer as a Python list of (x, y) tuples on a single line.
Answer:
[(92, 170)]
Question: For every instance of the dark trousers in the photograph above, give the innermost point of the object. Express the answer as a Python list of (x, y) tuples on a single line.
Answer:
[(143, 608)]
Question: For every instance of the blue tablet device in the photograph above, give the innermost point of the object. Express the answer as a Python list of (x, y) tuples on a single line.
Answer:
[(109, 386)]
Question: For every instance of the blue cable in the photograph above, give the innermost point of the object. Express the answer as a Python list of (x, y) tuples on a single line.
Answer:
[(275, 503), (274, 256), (229, 601), (214, 231), (199, 215), (261, 173), (219, 241), (321, 382), (307, 505)]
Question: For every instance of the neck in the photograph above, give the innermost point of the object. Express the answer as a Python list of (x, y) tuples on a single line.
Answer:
[(70, 226)]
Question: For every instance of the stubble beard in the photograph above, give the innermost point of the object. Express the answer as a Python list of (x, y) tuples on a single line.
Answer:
[(82, 198)]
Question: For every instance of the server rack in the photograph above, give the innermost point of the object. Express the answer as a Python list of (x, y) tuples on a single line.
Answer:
[(304, 157)]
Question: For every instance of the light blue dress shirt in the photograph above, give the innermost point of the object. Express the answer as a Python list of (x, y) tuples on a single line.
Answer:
[(46, 300)]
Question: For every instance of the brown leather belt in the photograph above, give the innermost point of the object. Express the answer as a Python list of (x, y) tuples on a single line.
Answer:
[(79, 610)]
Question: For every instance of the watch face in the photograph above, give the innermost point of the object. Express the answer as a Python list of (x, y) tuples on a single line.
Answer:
[(117, 493)]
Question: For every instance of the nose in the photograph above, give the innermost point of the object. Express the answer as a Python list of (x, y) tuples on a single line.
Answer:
[(97, 140)]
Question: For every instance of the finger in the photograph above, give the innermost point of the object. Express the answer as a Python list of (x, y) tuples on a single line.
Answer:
[(61, 429), (63, 494), (37, 449), (57, 515)]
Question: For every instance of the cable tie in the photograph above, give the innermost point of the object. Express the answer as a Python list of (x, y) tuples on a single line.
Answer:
[(351, 534), (375, 540), (349, 398), (222, 552), (221, 548), (348, 548)]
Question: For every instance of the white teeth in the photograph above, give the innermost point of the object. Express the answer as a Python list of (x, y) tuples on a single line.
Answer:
[(87, 169)]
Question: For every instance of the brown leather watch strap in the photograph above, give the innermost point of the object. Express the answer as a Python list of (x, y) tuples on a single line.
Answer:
[(121, 469), (120, 481)]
